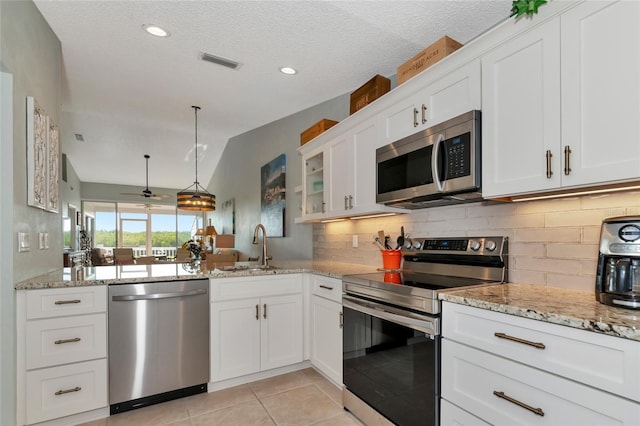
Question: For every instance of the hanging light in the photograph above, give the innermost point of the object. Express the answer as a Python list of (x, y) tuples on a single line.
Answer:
[(195, 197)]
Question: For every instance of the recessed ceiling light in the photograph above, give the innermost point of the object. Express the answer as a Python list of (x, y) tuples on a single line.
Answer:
[(288, 70), (155, 30)]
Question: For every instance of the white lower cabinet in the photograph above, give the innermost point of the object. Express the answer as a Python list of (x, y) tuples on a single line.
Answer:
[(256, 324), (61, 353), (508, 370), (326, 327)]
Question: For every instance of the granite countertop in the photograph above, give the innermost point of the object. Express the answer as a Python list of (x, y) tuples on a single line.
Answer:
[(119, 274), (572, 308)]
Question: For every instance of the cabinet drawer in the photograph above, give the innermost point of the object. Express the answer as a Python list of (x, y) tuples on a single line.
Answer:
[(471, 379), (605, 362), (451, 415), (329, 288), (259, 286), (55, 302), (62, 391), (65, 340)]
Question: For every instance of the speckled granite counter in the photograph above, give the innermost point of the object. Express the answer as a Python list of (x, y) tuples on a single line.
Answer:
[(106, 275), (571, 308)]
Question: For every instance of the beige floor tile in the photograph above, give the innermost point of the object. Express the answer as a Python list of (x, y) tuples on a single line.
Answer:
[(208, 402), (281, 383), (160, 414), (313, 375), (344, 419), (301, 406), (334, 392), (99, 422), (248, 414)]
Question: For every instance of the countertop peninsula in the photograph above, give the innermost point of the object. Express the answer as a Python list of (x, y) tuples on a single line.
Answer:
[(572, 308), (119, 274)]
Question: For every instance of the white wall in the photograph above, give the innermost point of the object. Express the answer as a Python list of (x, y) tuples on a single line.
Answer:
[(238, 176), (552, 242)]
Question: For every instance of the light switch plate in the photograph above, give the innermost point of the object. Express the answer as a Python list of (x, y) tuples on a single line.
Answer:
[(41, 242), (23, 241), (46, 241), (354, 241)]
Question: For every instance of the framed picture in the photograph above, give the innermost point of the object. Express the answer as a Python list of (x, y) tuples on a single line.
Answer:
[(37, 167), (273, 192)]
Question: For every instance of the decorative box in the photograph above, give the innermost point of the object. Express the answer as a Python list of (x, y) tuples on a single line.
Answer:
[(316, 129), (429, 56), (369, 92)]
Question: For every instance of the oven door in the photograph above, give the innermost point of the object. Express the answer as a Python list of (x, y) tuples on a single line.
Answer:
[(391, 360)]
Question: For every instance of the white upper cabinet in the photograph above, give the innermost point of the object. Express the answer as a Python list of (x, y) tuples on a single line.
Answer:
[(521, 113), (601, 91), (561, 102), (451, 95)]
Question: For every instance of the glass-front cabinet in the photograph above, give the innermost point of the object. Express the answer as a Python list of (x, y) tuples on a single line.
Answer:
[(313, 194)]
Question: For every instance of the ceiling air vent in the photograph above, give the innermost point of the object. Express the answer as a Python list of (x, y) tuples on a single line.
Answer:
[(79, 137), (218, 60)]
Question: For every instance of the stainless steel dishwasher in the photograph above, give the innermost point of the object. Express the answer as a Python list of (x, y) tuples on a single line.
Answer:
[(158, 342)]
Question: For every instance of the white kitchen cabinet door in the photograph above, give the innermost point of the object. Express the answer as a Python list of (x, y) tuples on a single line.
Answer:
[(341, 161), (281, 331), (451, 415), (432, 103), (601, 91), (521, 113), (326, 337), (235, 338)]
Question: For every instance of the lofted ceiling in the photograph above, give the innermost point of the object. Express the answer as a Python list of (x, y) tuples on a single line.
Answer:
[(129, 93)]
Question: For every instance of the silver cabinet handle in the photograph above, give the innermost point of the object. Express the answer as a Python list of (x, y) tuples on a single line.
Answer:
[(67, 302), (424, 114), (155, 296), (415, 117), (519, 340), (257, 312), (326, 287), (549, 171), (264, 314), (341, 319), (350, 202), (567, 160), (345, 202), (63, 341), (63, 391), (502, 395)]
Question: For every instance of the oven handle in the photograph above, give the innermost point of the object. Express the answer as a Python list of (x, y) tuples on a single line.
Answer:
[(408, 319)]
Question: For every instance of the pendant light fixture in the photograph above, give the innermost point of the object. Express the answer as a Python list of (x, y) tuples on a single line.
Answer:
[(195, 197)]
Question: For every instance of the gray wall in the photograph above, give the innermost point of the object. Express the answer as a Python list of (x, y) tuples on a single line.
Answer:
[(31, 52), (238, 176), (70, 191)]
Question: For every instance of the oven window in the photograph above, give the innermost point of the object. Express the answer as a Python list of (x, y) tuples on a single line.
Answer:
[(392, 368), (405, 171)]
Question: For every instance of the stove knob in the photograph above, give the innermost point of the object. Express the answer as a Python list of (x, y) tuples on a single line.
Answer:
[(408, 244), (474, 245), (417, 245), (490, 245)]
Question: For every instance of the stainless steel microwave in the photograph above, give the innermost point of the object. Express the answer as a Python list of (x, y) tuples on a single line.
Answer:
[(436, 166)]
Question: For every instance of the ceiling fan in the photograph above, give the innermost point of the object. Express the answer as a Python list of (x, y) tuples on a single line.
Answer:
[(146, 192)]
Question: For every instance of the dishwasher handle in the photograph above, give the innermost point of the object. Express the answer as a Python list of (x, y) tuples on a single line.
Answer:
[(155, 296)]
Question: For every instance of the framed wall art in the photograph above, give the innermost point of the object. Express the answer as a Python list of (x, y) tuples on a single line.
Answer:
[(43, 159), (273, 192), (37, 133)]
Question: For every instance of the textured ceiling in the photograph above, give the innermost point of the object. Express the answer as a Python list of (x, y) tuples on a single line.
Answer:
[(130, 94)]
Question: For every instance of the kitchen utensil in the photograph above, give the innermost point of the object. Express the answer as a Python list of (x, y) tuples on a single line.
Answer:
[(378, 243), (381, 235), (386, 242), (400, 239)]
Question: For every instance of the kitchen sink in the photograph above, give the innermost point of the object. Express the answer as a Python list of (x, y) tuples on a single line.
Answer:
[(249, 268)]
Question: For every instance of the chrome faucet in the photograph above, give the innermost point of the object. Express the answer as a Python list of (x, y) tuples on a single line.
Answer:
[(264, 258)]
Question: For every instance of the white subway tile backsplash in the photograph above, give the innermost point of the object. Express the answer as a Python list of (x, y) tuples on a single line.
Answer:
[(552, 242)]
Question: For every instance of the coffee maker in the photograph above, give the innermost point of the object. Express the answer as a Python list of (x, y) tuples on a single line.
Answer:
[(618, 275)]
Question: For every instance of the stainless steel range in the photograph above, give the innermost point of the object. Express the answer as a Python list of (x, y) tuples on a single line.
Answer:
[(391, 333)]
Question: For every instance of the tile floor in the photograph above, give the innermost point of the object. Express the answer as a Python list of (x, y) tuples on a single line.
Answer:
[(299, 398)]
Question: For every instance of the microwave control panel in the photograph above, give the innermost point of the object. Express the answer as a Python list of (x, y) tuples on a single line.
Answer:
[(458, 156)]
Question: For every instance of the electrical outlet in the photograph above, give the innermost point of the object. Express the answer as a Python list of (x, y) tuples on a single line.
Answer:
[(23, 241), (46, 241), (41, 244), (354, 241)]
